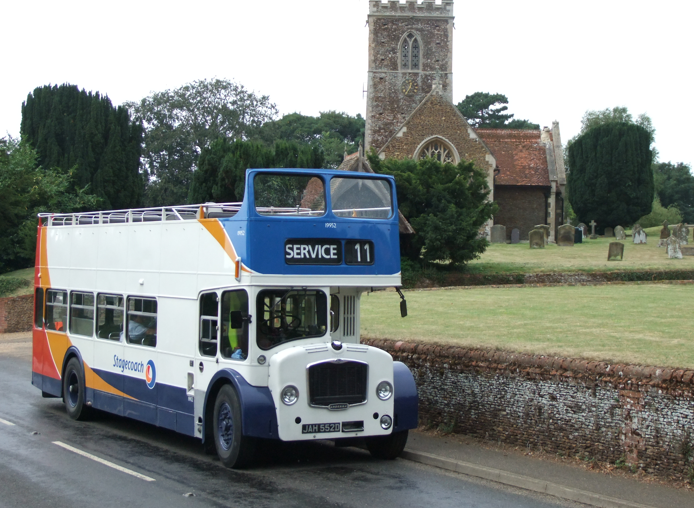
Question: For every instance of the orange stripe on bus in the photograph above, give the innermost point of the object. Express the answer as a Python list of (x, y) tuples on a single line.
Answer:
[(219, 233), (92, 380)]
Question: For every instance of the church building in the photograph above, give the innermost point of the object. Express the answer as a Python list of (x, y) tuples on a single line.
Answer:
[(410, 113)]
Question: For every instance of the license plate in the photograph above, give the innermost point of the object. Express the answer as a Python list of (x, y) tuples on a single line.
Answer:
[(317, 428)]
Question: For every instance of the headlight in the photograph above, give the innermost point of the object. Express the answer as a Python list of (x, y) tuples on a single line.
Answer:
[(290, 395), (386, 422), (384, 390)]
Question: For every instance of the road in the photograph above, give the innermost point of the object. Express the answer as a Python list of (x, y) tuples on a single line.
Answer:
[(46, 459)]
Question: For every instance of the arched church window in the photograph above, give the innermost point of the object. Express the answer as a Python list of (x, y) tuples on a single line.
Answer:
[(437, 149), (410, 50)]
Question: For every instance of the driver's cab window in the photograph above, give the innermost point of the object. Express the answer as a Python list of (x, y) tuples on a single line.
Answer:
[(235, 319), (209, 321)]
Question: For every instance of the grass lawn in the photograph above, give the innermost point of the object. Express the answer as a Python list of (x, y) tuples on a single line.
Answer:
[(589, 256), (26, 274), (644, 324)]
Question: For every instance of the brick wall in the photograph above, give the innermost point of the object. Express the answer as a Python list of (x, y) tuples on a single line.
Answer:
[(16, 314), (520, 207), (643, 415)]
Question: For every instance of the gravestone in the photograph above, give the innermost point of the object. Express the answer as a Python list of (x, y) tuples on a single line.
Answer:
[(593, 236), (687, 251), (498, 234), (578, 235), (639, 235), (619, 233), (515, 235), (673, 248), (584, 228), (565, 235), (616, 251), (681, 232), (665, 232), (537, 239), (545, 229), (609, 232)]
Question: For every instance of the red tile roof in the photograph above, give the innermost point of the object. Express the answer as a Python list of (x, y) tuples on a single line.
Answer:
[(520, 156)]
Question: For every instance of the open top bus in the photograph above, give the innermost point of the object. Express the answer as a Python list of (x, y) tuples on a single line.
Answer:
[(229, 322)]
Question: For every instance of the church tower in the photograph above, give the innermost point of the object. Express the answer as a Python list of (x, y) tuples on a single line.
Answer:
[(410, 47)]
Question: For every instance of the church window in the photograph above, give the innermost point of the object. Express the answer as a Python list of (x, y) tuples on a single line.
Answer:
[(438, 150), (409, 53)]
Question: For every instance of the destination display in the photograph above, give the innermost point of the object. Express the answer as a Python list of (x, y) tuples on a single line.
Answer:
[(313, 251), (359, 252)]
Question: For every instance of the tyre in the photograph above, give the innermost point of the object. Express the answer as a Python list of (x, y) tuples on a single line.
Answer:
[(74, 391), (233, 448), (387, 447)]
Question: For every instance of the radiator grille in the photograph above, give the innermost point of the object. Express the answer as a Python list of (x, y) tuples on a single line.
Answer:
[(337, 383)]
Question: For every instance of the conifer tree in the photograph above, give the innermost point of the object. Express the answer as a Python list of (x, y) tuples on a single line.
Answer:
[(71, 128)]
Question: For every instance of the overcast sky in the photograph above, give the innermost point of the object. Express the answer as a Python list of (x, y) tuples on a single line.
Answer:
[(553, 60)]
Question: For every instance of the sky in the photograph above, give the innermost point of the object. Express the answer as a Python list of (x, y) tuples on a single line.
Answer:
[(553, 60)]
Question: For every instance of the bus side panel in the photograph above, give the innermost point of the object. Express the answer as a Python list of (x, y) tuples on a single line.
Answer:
[(406, 400), (257, 406)]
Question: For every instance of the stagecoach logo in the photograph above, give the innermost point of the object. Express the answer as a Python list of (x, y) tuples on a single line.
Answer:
[(150, 375), (313, 251)]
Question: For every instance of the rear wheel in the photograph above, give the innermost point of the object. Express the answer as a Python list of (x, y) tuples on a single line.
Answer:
[(233, 448), (74, 391), (387, 447)]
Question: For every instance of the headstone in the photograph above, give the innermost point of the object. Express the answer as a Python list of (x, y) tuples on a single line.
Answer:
[(609, 232), (545, 229), (578, 235), (565, 235), (537, 239), (665, 232), (498, 234), (515, 235), (687, 251), (639, 235), (673, 248), (584, 228), (681, 231), (593, 236), (616, 251), (619, 233)]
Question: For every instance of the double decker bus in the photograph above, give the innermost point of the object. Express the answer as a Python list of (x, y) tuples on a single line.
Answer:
[(229, 322)]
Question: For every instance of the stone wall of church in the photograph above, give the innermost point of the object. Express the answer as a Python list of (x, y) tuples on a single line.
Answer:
[(520, 207), (440, 118)]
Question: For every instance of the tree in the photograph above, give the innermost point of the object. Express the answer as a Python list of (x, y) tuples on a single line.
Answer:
[(26, 189), (75, 130), (180, 123), (487, 111), (334, 133), (618, 114), (611, 179), (659, 214), (447, 205), (674, 185), (221, 175)]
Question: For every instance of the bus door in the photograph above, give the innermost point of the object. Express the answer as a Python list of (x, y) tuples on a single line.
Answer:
[(224, 325)]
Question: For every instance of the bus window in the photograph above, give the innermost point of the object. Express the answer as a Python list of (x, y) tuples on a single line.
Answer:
[(289, 195), (235, 325), (209, 319), (286, 315), (82, 313), (361, 198), (56, 310), (142, 321), (110, 312), (334, 313), (38, 308)]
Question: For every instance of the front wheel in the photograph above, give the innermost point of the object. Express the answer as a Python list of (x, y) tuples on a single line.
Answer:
[(233, 448), (74, 391), (387, 447)]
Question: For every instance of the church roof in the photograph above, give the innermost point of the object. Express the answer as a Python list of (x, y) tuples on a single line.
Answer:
[(521, 156)]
